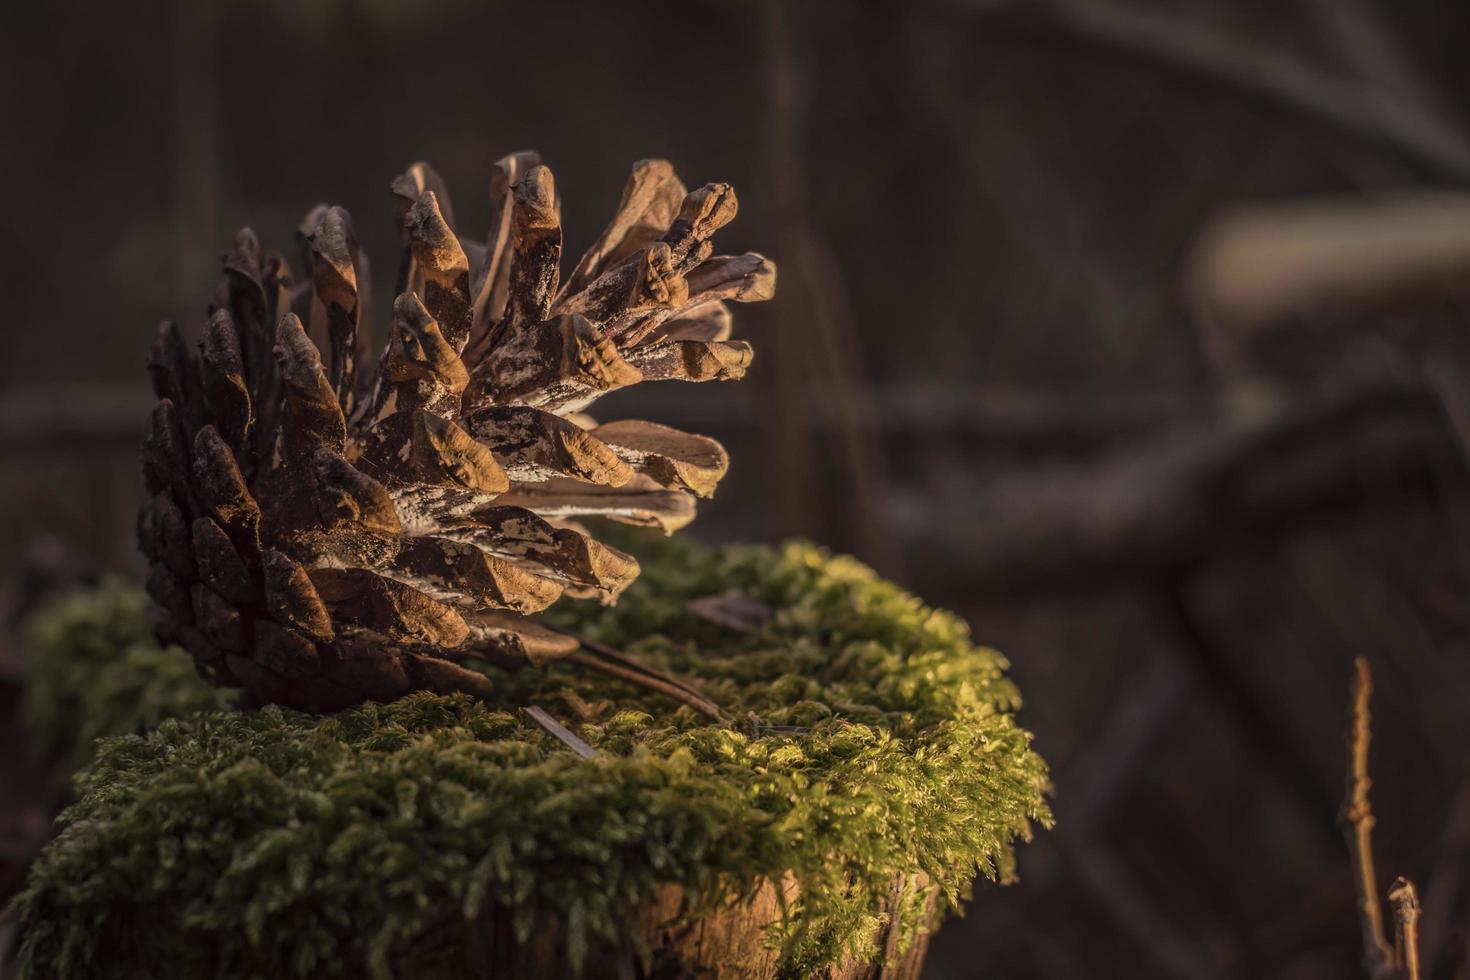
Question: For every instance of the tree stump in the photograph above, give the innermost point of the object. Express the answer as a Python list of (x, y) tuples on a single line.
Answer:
[(867, 759), (727, 944)]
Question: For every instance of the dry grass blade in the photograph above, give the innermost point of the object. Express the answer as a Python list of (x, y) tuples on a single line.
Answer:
[(559, 731)]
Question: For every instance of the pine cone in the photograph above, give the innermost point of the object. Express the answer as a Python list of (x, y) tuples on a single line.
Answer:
[(322, 531)]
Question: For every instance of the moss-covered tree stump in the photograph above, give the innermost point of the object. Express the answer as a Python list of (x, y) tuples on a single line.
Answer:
[(871, 769)]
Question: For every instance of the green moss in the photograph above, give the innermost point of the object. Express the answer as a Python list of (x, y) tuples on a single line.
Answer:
[(95, 669), (274, 843)]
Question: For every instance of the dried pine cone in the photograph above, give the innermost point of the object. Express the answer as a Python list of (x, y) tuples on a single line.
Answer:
[(328, 533)]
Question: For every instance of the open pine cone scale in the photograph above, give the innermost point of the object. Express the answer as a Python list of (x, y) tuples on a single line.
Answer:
[(325, 528)]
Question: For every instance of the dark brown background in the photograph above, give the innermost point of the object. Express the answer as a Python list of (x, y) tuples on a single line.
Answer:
[(981, 353)]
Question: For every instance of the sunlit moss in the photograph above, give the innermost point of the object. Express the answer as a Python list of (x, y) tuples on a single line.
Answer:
[(274, 843)]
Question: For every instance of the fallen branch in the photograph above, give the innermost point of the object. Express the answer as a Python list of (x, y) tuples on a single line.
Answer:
[(1195, 491)]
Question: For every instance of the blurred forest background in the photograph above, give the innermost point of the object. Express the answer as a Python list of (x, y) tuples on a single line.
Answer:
[(1006, 365)]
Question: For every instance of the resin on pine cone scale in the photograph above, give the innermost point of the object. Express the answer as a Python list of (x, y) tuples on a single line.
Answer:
[(324, 529)]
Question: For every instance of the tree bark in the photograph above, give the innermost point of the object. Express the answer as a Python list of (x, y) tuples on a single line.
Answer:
[(727, 944)]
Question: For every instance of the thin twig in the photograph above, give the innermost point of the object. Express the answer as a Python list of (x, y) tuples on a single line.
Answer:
[(1357, 821), (609, 661), (619, 657), (1405, 902), (605, 659)]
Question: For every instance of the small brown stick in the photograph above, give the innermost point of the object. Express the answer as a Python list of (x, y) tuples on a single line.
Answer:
[(1405, 902), (619, 657), (1357, 821), (609, 661)]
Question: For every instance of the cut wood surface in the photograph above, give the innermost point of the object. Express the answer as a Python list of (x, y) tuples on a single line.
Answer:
[(728, 943)]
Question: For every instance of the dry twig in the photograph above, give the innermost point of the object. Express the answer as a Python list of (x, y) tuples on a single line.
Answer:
[(615, 663), (1401, 961), (1405, 901), (1357, 824)]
